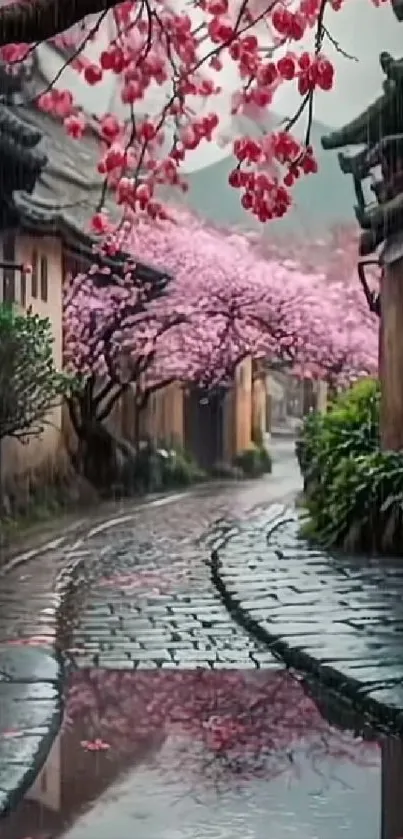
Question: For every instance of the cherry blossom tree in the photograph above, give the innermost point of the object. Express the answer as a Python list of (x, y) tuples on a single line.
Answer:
[(248, 304), (223, 304), (109, 340), (351, 345), (166, 61)]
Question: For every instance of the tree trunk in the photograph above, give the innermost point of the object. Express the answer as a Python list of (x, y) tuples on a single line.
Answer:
[(392, 782), (137, 416), (94, 458), (391, 357)]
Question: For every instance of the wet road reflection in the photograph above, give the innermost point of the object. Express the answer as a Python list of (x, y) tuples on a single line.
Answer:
[(201, 753)]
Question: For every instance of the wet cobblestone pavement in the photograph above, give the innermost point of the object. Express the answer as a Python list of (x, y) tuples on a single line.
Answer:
[(177, 723), (179, 754), (151, 602), (338, 617)]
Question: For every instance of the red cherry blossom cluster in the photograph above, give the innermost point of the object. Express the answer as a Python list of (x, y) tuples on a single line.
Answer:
[(311, 71), (149, 46), (266, 194)]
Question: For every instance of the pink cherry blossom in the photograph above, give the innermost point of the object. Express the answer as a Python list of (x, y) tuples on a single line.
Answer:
[(226, 301)]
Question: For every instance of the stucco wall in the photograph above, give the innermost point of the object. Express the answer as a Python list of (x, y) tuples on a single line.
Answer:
[(259, 407), (322, 397), (243, 406), (16, 458), (162, 420)]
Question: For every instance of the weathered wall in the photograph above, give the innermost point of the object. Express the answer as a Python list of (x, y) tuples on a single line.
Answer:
[(259, 407), (17, 459), (162, 420), (322, 397), (391, 354), (243, 406)]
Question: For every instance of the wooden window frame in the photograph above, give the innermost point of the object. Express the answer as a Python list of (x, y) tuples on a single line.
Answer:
[(34, 274), (23, 287), (44, 285)]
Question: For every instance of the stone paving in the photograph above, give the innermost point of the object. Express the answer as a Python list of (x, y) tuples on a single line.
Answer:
[(340, 619), (151, 601), (150, 604)]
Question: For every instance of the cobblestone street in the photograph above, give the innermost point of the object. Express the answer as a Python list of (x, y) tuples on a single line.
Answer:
[(337, 618), (170, 691), (148, 602), (151, 602)]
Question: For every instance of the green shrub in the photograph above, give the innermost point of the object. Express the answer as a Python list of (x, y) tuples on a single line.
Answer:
[(350, 428), (253, 461), (159, 468), (179, 469), (363, 511), (265, 460), (352, 490)]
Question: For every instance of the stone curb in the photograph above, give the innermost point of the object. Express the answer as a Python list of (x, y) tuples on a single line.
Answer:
[(64, 590), (13, 797), (383, 717)]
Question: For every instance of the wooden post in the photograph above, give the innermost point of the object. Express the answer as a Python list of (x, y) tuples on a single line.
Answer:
[(391, 356), (391, 785)]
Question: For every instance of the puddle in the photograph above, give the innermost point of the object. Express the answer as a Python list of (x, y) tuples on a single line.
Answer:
[(201, 753)]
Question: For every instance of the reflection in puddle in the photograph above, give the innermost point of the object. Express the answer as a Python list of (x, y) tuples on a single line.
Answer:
[(185, 754)]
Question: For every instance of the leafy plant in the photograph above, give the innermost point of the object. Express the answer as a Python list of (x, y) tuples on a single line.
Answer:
[(350, 428), (363, 511), (179, 469), (164, 467), (254, 461), (353, 491), (30, 385)]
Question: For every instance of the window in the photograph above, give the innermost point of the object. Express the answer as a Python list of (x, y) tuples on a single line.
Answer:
[(44, 279), (34, 275), (23, 287), (9, 273)]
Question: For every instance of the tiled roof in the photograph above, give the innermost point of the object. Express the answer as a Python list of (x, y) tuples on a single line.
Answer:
[(67, 189), (20, 160)]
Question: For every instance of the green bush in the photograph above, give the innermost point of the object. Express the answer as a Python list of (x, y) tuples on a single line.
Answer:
[(226, 472), (353, 491), (254, 461), (158, 468), (350, 428), (179, 469), (363, 511)]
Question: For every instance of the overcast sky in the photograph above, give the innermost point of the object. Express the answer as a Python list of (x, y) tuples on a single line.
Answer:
[(360, 29)]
